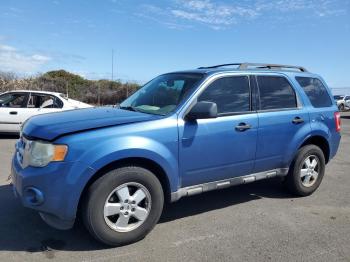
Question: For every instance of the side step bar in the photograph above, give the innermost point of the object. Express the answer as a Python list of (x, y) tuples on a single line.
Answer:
[(201, 188)]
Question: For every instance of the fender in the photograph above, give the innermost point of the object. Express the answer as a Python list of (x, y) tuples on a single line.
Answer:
[(113, 150), (305, 133), (292, 146), (134, 146)]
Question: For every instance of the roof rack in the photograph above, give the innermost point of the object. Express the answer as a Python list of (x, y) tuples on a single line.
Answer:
[(257, 65)]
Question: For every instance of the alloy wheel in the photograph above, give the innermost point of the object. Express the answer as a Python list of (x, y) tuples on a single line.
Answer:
[(127, 207)]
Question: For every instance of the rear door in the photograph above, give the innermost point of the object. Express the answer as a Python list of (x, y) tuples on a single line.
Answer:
[(12, 110), (40, 103), (224, 147), (281, 118)]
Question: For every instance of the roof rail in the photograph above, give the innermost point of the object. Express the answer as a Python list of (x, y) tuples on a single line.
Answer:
[(257, 65)]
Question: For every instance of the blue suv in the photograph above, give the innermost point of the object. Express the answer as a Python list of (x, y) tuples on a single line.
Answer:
[(181, 134)]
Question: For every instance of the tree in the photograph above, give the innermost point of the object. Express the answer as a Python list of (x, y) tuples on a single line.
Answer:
[(98, 92)]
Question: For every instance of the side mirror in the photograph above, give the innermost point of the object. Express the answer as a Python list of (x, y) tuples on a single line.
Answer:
[(203, 110)]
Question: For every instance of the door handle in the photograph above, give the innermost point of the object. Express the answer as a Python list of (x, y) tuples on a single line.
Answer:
[(13, 113), (297, 120), (243, 127)]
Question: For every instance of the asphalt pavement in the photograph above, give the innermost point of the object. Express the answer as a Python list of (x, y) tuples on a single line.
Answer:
[(254, 222)]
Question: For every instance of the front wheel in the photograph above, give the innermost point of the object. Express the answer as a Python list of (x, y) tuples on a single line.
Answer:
[(307, 170), (123, 206)]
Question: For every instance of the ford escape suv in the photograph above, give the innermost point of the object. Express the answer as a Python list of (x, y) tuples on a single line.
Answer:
[(181, 134)]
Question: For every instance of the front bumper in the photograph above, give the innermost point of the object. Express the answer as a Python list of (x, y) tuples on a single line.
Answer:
[(54, 190)]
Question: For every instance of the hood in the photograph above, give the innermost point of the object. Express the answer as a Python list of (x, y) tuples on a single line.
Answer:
[(53, 125)]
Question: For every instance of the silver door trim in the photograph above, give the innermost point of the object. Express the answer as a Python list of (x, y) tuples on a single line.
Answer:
[(205, 187)]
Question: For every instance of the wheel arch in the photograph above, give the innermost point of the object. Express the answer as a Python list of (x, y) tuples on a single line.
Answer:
[(319, 141), (146, 163)]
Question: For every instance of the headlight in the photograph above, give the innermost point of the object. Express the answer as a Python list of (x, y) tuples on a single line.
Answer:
[(40, 154)]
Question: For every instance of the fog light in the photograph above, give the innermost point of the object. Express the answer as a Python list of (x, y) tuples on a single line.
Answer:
[(33, 196)]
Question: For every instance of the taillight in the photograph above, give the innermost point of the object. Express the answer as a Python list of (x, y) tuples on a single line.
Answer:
[(337, 121)]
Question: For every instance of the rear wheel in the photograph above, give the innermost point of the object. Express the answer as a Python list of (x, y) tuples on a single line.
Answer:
[(307, 170), (341, 107), (123, 206)]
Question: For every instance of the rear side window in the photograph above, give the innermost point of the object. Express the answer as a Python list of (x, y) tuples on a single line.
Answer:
[(316, 91), (275, 93), (44, 101), (231, 94)]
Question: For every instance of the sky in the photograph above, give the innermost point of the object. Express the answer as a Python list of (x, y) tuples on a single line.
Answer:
[(154, 37)]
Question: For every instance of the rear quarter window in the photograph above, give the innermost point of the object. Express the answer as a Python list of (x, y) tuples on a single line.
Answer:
[(315, 91)]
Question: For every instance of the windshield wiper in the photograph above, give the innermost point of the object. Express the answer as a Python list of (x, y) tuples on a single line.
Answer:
[(130, 108)]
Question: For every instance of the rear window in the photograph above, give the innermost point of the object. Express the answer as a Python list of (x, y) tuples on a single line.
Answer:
[(316, 91), (275, 93)]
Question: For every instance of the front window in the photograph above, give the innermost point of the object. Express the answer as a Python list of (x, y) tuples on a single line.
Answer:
[(163, 94), (231, 94), (13, 100)]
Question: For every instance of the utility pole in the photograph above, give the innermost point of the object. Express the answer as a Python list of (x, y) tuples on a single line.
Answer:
[(112, 63)]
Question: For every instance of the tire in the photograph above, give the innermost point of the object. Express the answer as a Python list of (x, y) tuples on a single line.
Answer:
[(102, 207), (301, 180), (341, 107)]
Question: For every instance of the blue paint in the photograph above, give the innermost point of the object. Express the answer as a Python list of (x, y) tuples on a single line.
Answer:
[(189, 152)]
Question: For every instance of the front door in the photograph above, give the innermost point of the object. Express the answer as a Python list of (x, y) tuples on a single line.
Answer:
[(224, 147), (12, 109)]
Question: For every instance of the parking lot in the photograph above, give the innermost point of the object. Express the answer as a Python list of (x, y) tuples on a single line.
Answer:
[(254, 222)]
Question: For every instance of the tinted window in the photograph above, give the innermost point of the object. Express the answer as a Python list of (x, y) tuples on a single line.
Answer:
[(275, 93), (231, 94), (316, 91)]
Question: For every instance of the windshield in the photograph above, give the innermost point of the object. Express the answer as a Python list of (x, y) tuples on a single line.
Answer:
[(163, 94), (338, 97)]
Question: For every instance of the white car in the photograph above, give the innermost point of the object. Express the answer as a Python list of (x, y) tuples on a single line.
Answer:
[(17, 106), (343, 102)]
